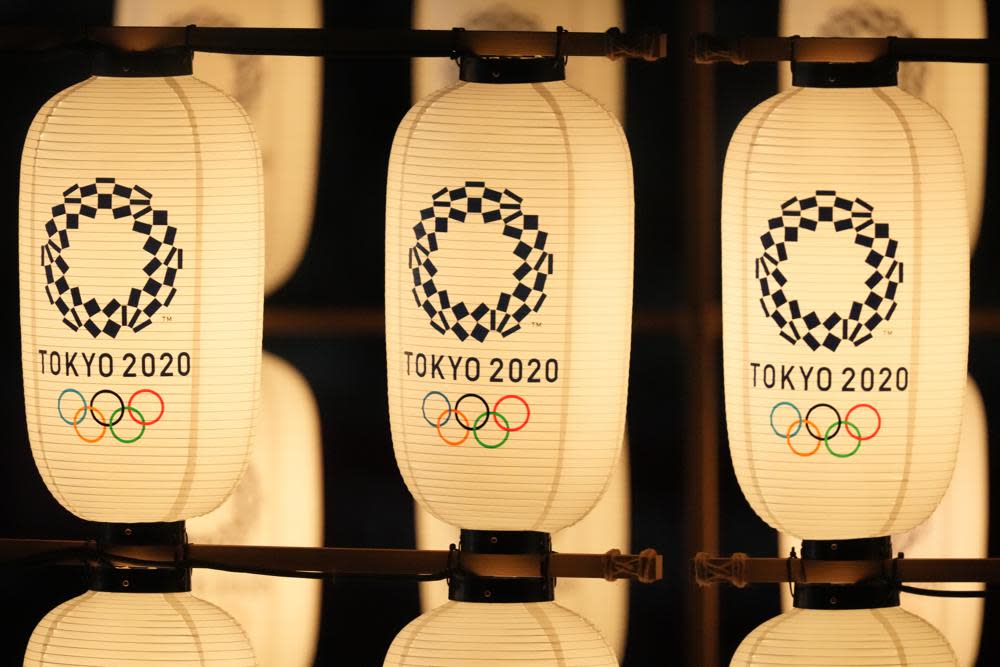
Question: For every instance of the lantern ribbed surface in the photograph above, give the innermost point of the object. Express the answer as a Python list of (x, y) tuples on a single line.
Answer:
[(845, 269), (887, 637), (141, 263), (509, 217), (538, 634), (102, 629)]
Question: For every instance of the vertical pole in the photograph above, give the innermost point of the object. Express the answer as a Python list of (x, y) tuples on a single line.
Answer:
[(700, 218)]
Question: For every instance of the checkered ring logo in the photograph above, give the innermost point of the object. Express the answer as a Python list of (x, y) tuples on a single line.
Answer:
[(160, 259), (854, 324), (477, 203)]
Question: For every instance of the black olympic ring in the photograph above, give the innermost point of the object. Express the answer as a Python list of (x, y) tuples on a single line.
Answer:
[(486, 412), (121, 407), (819, 436)]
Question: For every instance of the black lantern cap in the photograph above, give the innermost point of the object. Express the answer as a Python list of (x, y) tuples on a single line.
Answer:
[(875, 594), (137, 579), (476, 69), (466, 587), (845, 75), (174, 61)]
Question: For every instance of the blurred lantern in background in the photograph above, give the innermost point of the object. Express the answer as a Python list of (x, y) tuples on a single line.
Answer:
[(608, 524), (283, 95), (888, 637), (845, 304), (278, 503), (123, 629), (957, 90), (141, 269), (541, 634), (958, 528)]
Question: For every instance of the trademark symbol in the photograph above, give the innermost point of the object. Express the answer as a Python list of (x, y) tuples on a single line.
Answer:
[(536, 324), (168, 318)]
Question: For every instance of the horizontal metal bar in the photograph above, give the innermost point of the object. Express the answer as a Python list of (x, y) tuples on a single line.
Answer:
[(740, 570), (340, 43), (742, 50), (644, 567)]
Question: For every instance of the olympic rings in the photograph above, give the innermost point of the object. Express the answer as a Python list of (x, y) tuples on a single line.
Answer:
[(857, 434), (59, 405), (423, 407), (506, 426), (478, 423), (121, 405), (823, 438), (798, 425), (141, 420), (104, 425), (163, 408), (124, 407), (475, 425), (458, 416)]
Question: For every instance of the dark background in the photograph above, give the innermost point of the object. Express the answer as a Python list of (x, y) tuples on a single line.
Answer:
[(341, 350)]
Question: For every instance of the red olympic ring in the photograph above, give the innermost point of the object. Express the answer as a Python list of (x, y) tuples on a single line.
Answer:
[(516, 398), (877, 416), (163, 407), (458, 415)]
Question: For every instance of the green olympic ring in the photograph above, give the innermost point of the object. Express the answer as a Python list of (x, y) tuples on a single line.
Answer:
[(111, 423), (506, 429), (857, 436)]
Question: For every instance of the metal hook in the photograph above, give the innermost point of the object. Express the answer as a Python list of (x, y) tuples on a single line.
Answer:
[(788, 565), (559, 33), (455, 56)]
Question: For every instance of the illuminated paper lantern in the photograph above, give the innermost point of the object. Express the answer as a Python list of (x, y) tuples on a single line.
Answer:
[(141, 257), (957, 90), (845, 262), (508, 297), (125, 629), (601, 78), (889, 637), (459, 634), (606, 526), (278, 503), (958, 528), (282, 95)]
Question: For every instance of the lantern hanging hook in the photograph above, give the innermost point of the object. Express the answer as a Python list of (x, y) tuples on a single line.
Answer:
[(788, 564), (456, 33), (560, 31)]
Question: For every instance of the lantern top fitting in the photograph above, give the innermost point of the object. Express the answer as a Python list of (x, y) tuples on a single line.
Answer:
[(874, 74), (476, 69), (465, 586), (173, 61)]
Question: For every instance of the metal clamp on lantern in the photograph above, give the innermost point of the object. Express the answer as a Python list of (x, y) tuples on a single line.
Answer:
[(467, 586), (134, 540), (872, 593)]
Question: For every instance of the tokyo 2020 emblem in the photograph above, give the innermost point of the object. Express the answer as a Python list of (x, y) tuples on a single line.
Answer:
[(158, 258), (863, 311), (531, 263)]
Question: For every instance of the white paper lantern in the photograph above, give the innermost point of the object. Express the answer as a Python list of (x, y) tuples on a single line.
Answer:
[(141, 257), (845, 306), (540, 634), (889, 637), (282, 95), (957, 90), (508, 302), (126, 629), (278, 503), (604, 603), (958, 528)]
